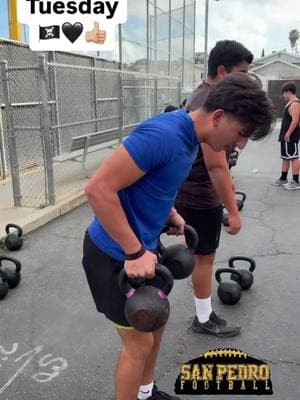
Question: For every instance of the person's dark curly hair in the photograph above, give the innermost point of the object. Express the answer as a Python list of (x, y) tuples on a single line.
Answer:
[(241, 97), (228, 53)]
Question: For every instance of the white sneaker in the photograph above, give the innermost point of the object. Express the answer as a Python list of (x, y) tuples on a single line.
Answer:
[(292, 186), (279, 182)]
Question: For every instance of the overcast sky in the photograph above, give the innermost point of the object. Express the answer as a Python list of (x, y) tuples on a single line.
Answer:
[(257, 24)]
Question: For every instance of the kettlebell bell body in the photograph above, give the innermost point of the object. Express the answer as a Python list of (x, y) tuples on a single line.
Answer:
[(147, 307), (3, 285), (229, 292), (240, 201), (13, 276), (178, 258), (247, 277), (13, 241)]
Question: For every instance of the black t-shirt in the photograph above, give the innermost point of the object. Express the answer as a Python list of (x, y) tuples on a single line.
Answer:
[(286, 122), (197, 192)]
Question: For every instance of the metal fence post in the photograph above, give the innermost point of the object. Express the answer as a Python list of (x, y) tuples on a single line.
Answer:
[(155, 95), (46, 129), (94, 95), (2, 150), (121, 107), (12, 144), (55, 113), (179, 92)]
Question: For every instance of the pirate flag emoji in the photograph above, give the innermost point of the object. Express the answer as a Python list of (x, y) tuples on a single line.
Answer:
[(49, 32)]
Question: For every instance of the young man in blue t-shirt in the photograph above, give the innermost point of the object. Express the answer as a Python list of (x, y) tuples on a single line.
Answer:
[(132, 196)]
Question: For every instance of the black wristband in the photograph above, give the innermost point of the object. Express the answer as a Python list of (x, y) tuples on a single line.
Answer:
[(136, 255)]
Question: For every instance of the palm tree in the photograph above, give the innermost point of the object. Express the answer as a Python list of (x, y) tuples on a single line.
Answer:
[(293, 38)]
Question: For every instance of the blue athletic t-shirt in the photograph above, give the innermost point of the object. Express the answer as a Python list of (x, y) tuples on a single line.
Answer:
[(164, 147)]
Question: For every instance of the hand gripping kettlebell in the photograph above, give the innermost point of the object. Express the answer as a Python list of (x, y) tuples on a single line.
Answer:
[(3, 285), (247, 277), (13, 241), (147, 307), (240, 201), (13, 276), (229, 292), (178, 258)]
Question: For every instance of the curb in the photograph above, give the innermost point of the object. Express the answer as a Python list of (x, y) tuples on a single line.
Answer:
[(40, 217)]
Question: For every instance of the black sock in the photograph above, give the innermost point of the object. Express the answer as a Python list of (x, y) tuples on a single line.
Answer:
[(296, 178), (283, 176)]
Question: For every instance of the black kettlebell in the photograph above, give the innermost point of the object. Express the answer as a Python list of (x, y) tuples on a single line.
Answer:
[(225, 219), (229, 292), (232, 160), (147, 307), (13, 276), (13, 241), (247, 278), (3, 285), (240, 202), (178, 258)]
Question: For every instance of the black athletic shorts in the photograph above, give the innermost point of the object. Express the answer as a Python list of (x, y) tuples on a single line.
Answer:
[(288, 150), (207, 223), (101, 272)]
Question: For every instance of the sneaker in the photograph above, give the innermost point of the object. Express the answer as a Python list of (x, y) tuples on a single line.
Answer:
[(280, 182), (159, 395), (215, 326), (292, 186)]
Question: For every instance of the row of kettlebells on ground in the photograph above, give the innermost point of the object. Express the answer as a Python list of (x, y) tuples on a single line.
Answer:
[(230, 292), (147, 307), (10, 273)]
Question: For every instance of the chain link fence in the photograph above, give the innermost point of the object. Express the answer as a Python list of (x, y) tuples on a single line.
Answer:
[(59, 108)]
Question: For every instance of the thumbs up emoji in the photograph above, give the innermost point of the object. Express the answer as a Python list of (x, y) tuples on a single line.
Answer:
[(96, 35)]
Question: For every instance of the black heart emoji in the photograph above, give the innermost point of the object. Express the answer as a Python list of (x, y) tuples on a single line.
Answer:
[(72, 32)]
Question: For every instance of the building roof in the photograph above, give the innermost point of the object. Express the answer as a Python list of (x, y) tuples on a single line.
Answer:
[(278, 60), (264, 60)]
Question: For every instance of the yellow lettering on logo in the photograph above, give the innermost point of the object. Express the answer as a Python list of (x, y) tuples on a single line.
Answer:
[(196, 373), (221, 371), (186, 372), (207, 372), (242, 372), (264, 372), (253, 372), (231, 375)]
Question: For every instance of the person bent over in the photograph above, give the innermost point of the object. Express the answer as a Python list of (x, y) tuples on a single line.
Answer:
[(132, 196)]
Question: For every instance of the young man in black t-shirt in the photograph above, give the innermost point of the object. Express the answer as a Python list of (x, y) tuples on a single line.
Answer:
[(289, 137), (209, 186)]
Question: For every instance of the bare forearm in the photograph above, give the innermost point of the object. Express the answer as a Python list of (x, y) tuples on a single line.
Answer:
[(222, 182), (108, 209)]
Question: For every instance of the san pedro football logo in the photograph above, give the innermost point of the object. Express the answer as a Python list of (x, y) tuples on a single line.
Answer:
[(224, 371)]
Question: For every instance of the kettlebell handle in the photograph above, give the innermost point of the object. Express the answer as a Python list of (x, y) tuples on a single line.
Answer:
[(242, 258), (242, 194), (222, 270), (191, 237), (17, 227), (13, 260), (160, 270), (233, 154), (3, 275)]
